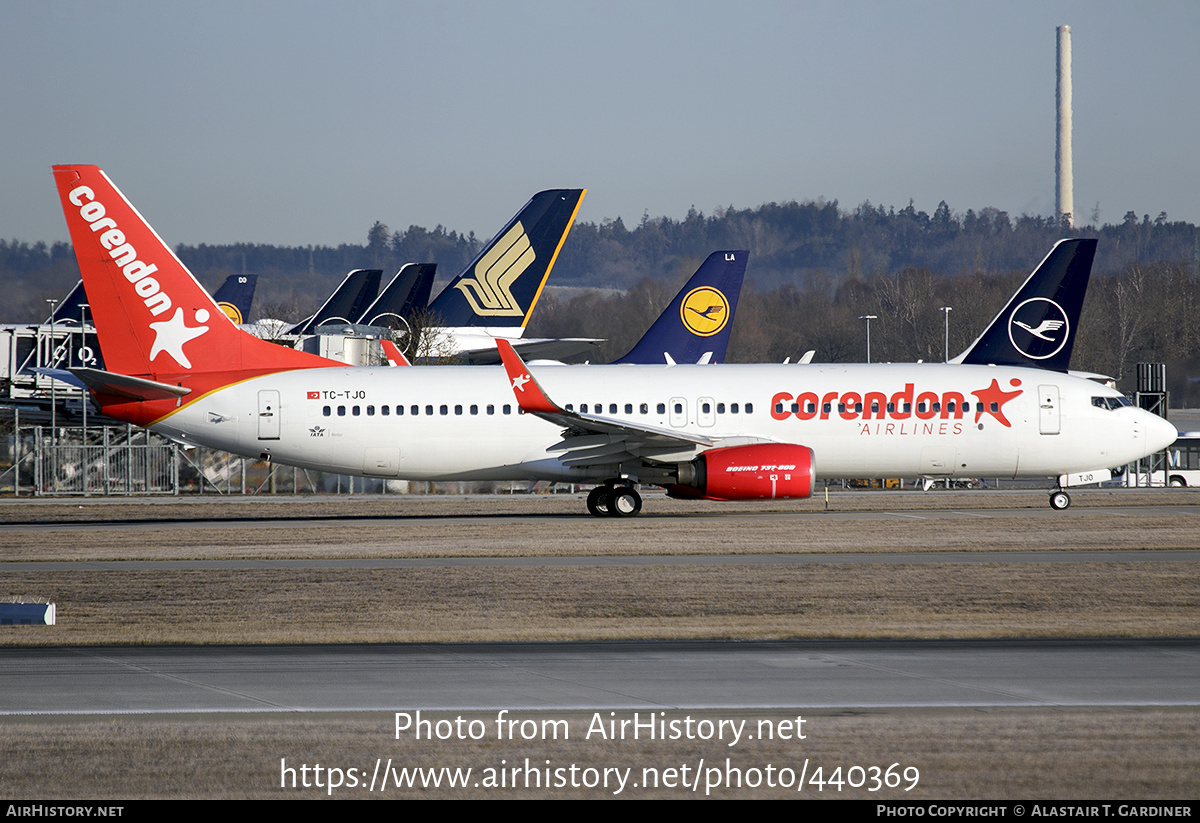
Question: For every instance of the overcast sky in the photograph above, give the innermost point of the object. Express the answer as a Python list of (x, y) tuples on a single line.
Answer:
[(304, 122)]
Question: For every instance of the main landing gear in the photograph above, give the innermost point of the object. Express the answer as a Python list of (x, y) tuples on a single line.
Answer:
[(614, 501), (1059, 499)]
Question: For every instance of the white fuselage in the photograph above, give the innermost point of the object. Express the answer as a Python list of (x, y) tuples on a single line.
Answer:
[(467, 424)]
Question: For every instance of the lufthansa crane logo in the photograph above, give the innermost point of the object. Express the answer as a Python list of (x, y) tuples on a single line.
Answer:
[(231, 311), (490, 291), (1038, 328), (704, 311)]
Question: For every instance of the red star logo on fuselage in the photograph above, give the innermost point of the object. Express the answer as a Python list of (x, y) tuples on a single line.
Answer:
[(993, 395)]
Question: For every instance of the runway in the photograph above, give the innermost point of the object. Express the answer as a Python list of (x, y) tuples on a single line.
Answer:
[(632, 675)]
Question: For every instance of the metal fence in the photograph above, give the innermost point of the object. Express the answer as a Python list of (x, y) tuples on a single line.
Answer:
[(117, 464)]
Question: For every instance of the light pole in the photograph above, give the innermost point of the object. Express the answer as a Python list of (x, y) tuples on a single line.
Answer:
[(53, 394), (947, 310), (868, 318), (83, 307)]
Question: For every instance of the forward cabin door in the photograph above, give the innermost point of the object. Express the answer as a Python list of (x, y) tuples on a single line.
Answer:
[(1048, 410)]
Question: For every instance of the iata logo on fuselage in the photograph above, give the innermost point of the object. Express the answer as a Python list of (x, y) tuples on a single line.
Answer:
[(930, 408), (490, 291), (1038, 328), (704, 311), (169, 335)]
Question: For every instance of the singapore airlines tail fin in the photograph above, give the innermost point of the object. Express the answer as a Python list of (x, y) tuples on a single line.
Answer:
[(695, 327), (153, 319), (1038, 326), (500, 287)]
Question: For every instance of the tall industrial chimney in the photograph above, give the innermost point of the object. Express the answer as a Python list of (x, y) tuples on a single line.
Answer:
[(1064, 196)]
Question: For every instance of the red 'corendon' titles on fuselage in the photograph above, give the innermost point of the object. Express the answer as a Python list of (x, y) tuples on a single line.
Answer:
[(906, 405)]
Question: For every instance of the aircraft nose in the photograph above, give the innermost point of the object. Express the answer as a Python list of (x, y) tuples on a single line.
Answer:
[(1159, 432)]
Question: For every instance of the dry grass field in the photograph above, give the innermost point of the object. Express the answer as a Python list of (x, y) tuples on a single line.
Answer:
[(1044, 753)]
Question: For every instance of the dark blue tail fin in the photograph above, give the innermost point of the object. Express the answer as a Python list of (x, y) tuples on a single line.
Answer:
[(696, 326), (347, 303), (502, 285), (1038, 326), (407, 293), (236, 295), (71, 308)]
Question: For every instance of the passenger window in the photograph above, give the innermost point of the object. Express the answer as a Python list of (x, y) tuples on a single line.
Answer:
[(858, 408), (779, 408), (749, 408), (706, 408), (474, 409), (662, 408), (679, 408), (570, 407), (733, 408), (356, 411), (644, 408), (341, 411), (795, 408), (720, 408), (507, 409), (444, 409), (458, 409), (629, 408), (491, 409), (370, 411), (327, 411), (826, 408), (385, 410), (612, 408), (429, 410), (400, 410)]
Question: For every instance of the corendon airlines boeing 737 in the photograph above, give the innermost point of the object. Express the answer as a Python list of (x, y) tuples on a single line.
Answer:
[(724, 432)]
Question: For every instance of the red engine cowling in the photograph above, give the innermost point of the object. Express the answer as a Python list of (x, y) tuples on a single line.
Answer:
[(767, 470)]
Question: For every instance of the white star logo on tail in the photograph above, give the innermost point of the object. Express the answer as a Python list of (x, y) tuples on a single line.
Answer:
[(170, 335), (519, 382), (1044, 326)]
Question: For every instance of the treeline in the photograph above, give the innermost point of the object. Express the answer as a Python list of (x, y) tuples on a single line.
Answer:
[(814, 269), (1147, 312)]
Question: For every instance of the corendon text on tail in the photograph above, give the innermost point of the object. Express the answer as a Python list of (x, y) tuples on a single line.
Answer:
[(1007, 407)]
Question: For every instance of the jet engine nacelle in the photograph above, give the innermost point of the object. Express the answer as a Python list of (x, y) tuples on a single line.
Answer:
[(768, 470)]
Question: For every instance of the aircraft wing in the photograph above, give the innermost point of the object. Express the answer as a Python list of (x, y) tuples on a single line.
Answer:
[(538, 348), (591, 438)]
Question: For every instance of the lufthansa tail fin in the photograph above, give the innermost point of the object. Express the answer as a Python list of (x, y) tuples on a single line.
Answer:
[(236, 295), (406, 294), (695, 327), (153, 319), (502, 285), (1038, 326)]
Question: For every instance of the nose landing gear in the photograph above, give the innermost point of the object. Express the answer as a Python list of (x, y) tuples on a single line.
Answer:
[(614, 501)]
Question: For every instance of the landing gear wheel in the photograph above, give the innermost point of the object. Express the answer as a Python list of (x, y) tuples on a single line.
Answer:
[(1059, 500), (598, 500), (624, 502)]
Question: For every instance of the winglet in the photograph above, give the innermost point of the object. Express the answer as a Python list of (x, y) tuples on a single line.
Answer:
[(393, 354), (530, 397)]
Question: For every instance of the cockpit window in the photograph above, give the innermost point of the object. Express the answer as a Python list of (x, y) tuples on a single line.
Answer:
[(1111, 403)]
